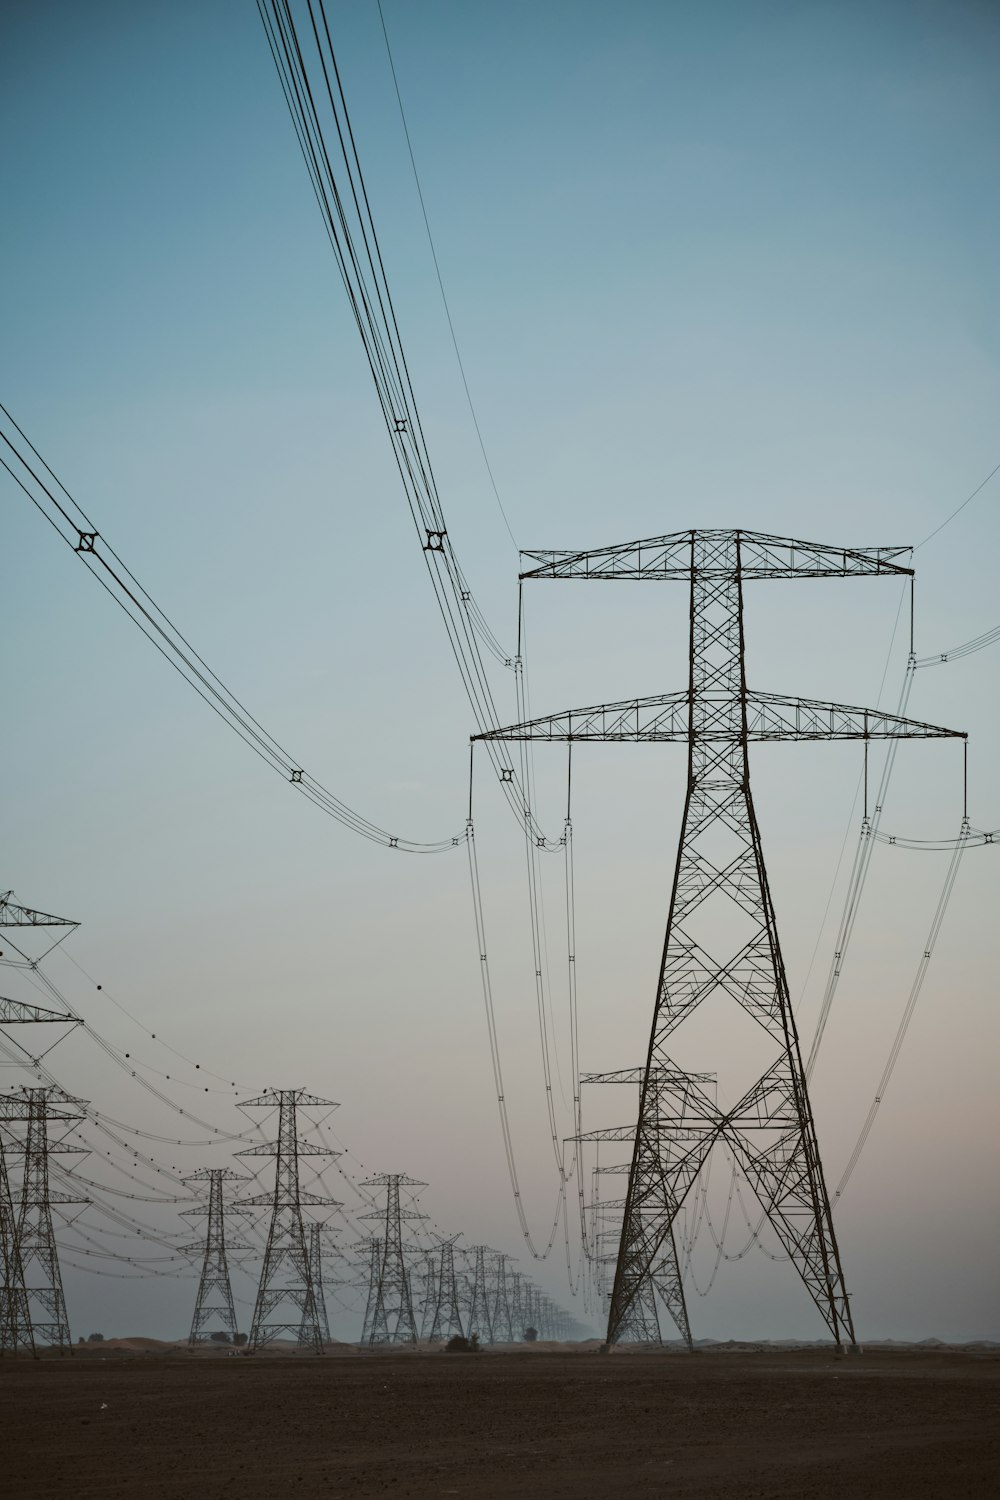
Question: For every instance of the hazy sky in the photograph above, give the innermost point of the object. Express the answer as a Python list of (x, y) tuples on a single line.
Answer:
[(718, 264)]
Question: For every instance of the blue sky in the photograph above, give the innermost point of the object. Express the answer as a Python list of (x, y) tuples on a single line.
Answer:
[(708, 265)]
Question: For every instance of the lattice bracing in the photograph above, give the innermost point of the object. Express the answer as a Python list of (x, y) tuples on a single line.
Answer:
[(286, 1304), (392, 1319), (214, 1303), (720, 888)]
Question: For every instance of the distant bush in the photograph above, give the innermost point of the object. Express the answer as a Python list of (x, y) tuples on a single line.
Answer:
[(530, 1335), (458, 1345), (239, 1338), (219, 1338), (95, 1338)]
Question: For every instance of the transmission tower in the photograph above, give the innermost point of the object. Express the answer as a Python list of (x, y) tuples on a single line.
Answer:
[(392, 1320), (501, 1318), (317, 1254), (517, 1306), (447, 1314), (285, 1280), (15, 1319), (428, 1295), (641, 1322), (35, 1257), (215, 1296), (720, 873), (480, 1322), (373, 1247)]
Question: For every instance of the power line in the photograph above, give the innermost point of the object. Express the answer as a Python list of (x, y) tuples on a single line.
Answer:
[(440, 281), (958, 510)]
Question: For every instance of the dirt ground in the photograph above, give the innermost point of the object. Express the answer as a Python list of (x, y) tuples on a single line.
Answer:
[(529, 1424)]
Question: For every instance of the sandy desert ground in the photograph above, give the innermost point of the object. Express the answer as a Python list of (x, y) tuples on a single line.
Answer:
[(146, 1421)]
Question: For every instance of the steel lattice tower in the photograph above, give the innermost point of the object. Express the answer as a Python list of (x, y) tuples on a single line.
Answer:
[(373, 1246), (15, 1319), (392, 1320), (480, 1322), (316, 1255), (34, 1235), (285, 1277), (517, 1307), (447, 1313), (501, 1319), (428, 1298), (720, 865), (641, 1323), (215, 1295)]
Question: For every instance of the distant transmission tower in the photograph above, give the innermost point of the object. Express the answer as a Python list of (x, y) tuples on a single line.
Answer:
[(641, 1322), (517, 1306), (447, 1314), (214, 1302), (373, 1246), (501, 1318), (479, 1321), (15, 1319), (428, 1295), (392, 1320), (286, 1280), (720, 875), (44, 1302), (316, 1254)]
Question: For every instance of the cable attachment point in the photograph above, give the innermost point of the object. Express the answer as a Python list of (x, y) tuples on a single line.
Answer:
[(506, 773), (435, 541), (86, 542), (400, 424), (393, 843), (295, 778)]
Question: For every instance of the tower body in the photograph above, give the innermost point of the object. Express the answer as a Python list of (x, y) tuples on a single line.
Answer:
[(286, 1305), (36, 1238), (720, 885), (447, 1315), (15, 1320), (392, 1318), (214, 1302), (479, 1320)]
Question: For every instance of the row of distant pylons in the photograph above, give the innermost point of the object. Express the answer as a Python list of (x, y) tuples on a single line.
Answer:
[(413, 1295)]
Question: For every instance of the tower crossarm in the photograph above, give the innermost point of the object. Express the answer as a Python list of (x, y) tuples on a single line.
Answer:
[(20, 1110), (636, 1075), (266, 1200), (302, 1148), (761, 556), (13, 1011), (13, 915), (299, 1097), (769, 716)]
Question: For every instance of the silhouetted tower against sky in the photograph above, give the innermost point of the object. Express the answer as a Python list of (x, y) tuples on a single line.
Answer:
[(641, 1322), (286, 1303), (15, 1321), (36, 1110), (501, 1316), (373, 1246), (317, 1253), (428, 1295), (516, 1284), (447, 1314), (214, 1302), (720, 878), (392, 1320), (479, 1319)]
